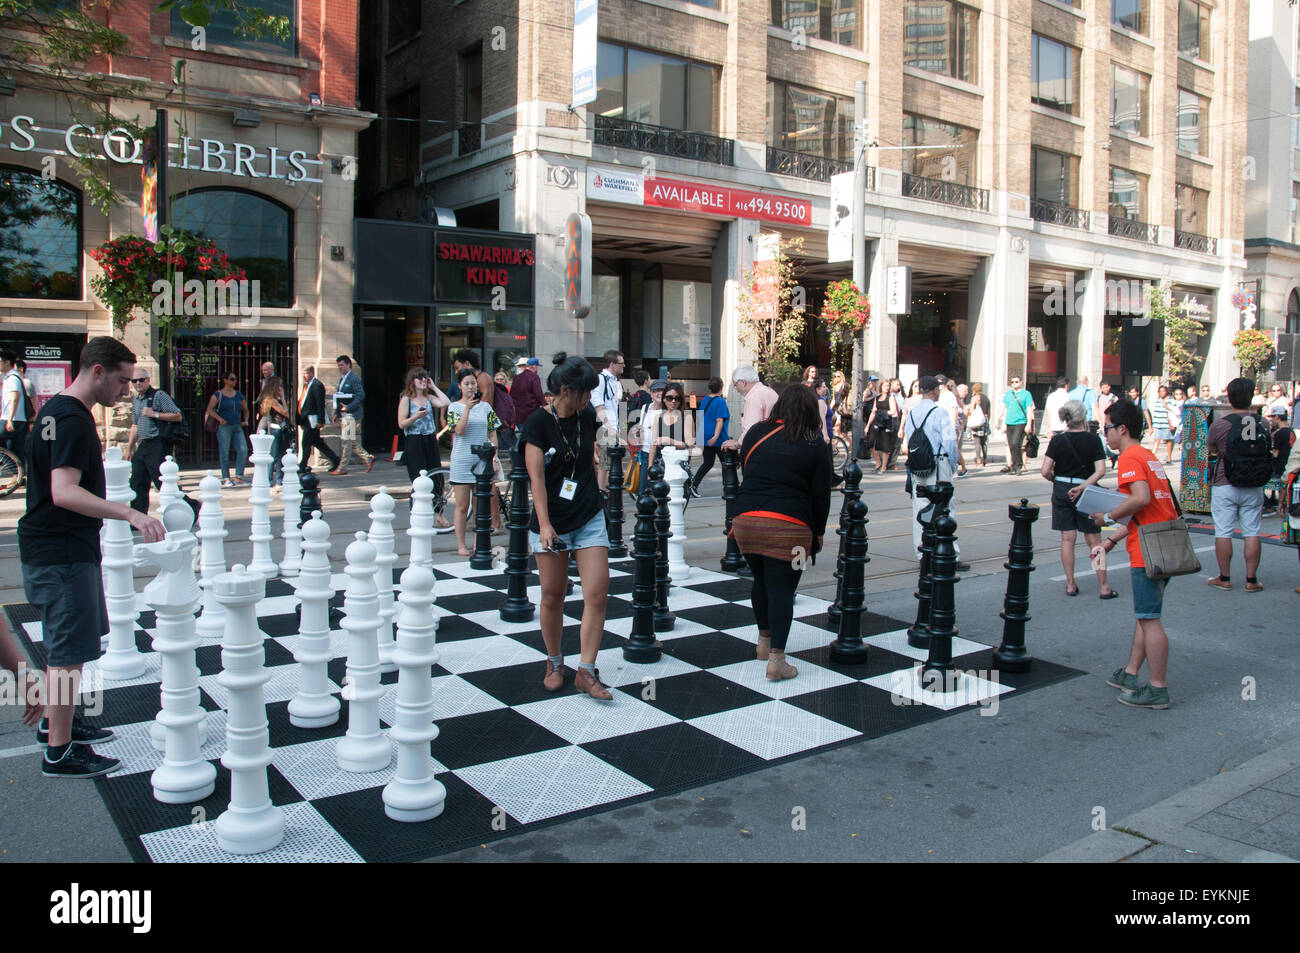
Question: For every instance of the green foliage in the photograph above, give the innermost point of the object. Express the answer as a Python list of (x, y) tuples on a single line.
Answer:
[(768, 322), (1181, 332)]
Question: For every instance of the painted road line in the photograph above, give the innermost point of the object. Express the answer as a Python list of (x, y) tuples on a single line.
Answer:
[(1123, 565), (16, 752)]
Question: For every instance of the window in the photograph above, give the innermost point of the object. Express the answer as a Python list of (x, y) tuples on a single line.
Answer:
[(1055, 75), (601, 327), (801, 120), (1194, 29), (40, 237), (940, 37), (1130, 14), (1127, 194), (471, 71), (1293, 313), (1295, 213), (402, 128), (403, 21), (1055, 177), (1128, 101), (1193, 123), (255, 232), (836, 21), (945, 151), (687, 321), (1191, 208), (1296, 122), (654, 89), (223, 30)]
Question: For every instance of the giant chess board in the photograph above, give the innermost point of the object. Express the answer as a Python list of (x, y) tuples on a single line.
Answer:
[(511, 755)]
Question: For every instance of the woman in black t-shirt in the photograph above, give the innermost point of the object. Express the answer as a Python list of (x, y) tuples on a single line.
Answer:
[(1074, 459), (559, 447)]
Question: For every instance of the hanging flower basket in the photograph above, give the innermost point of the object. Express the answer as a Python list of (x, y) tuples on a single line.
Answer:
[(845, 314), (1254, 351)]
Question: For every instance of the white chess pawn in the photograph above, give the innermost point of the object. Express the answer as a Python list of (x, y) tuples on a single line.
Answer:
[(291, 497), (413, 794), (122, 660), (169, 490), (212, 559), (422, 531), (252, 824), (313, 706), (382, 506), (259, 497), (364, 748), (675, 475), (185, 776)]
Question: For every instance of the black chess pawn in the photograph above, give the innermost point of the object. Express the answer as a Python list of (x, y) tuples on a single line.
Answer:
[(1011, 655), (483, 472), (614, 508), (732, 560), (937, 672), (517, 608), (918, 634), (664, 619), (642, 646), (852, 491), (310, 484), (848, 647)]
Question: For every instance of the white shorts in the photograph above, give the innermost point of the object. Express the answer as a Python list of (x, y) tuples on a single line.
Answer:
[(1230, 504)]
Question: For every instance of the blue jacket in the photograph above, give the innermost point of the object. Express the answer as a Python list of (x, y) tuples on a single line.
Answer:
[(351, 394)]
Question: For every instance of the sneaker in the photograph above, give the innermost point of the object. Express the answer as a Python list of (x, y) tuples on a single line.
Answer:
[(82, 733), (227, 483), (590, 684), (1254, 587), (1123, 680), (79, 761), (1218, 583), (1146, 697)]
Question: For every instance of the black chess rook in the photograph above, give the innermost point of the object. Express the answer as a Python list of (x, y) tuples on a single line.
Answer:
[(483, 470), (938, 673), (732, 560), (517, 608), (645, 545), (664, 619), (1011, 655), (614, 509), (852, 491), (848, 647), (918, 635)]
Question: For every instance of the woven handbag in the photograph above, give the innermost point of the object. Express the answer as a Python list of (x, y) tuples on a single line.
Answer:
[(1167, 546)]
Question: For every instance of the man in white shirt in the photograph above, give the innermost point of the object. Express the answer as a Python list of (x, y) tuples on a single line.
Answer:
[(759, 401), (1055, 401), (605, 398), (935, 422), (13, 405)]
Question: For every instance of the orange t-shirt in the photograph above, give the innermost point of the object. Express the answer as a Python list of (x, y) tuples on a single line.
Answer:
[(1138, 463)]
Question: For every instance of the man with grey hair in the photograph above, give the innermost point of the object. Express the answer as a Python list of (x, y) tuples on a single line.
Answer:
[(759, 401)]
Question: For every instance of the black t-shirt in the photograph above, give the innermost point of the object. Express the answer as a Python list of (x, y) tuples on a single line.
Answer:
[(573, 439), (1075, 452), (64, 436)]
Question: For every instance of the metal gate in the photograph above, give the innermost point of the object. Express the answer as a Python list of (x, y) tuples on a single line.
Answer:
[(200, 361)]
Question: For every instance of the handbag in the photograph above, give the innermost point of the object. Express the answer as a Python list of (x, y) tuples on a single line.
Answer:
[(1167, 546), (1031, 446), (632, 480)]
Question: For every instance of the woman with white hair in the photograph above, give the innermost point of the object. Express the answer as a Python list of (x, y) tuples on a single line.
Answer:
[(1074, 459)]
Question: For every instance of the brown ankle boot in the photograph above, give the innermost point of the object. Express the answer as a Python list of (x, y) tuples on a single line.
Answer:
[(584, 681), (778, 668), (554, 679), (764, 646)]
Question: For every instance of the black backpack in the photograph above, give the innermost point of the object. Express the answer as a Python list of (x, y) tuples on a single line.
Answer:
[(920, 455), (171, 432), (1248, 463)]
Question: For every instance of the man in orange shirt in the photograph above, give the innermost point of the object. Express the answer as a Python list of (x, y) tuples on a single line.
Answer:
[(1150, 500)]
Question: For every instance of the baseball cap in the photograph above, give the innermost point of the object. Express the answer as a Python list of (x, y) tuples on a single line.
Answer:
[(521, 362), (873, 377), (929, 382), (659, 385), (941, 379), (1277, 411)]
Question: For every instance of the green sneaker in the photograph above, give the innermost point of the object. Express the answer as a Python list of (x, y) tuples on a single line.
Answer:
[(1146, 697), (1123, 680)]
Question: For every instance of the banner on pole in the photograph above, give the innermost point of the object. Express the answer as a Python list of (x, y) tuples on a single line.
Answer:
[(584, 51), (839, 241)]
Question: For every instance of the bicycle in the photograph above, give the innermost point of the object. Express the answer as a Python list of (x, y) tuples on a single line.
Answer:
[(12, 472), (839, 453)]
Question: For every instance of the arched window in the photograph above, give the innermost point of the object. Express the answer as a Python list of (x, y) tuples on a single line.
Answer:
[(255, 232), (1293, 313), (40, 237)]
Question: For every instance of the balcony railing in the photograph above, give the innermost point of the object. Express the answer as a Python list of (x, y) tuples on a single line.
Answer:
[(1055, 213), (469, 139), (949, 193), (1132, 228), (1193, 242), (805, 165), (700, 146)]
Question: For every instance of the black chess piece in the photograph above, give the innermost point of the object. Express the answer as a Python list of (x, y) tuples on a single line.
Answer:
[(517, 608), (614, 508), (310, 484), (938, 673), (732, 560), (483, 471), (645, 543), (1011, 655), (918, 634), (852, 491), (664, 619), (848, 647)]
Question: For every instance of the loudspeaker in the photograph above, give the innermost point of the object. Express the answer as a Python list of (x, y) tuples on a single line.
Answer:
[(1142, 348), (1288, 357)]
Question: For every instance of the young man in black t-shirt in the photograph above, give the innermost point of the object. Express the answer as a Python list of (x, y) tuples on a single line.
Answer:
[(58, 547)]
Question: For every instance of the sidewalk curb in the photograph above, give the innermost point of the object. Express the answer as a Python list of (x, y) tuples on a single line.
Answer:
[(1167, 822)]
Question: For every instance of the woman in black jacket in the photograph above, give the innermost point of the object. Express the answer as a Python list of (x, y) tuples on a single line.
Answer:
[(782, 509)]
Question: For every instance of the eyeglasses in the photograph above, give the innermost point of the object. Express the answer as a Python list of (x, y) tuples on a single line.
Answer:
[(232, 377)]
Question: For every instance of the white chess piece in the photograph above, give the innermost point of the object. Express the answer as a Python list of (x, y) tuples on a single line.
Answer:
[(169, 489), (364, 748), (421, 531), (291, 497), (413, 794), (252, 824), (313, 706), (381, 537), (675, 474), (122, 660), (185, 776), (259, 497), (212, 561)]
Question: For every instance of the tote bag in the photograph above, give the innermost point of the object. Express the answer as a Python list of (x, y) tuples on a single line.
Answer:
[(1167, 546)]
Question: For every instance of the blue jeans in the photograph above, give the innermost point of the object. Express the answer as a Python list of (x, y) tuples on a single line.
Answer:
[(230, 437)]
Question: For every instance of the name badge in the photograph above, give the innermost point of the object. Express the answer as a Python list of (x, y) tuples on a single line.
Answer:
[(568, 488)]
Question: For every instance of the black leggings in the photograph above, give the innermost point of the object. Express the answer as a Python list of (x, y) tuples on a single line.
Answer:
[(772, 596), (710, 454)]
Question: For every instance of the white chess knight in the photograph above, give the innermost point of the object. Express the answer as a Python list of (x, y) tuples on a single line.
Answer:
[(381, 537), (212, 560), (185, 776), (364, 748), (313, 706), (259, 497), (122, 660), (675, 474)]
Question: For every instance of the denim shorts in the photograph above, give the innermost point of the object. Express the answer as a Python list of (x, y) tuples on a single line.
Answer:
[(73, 614), (1148, 594), (591, 533)]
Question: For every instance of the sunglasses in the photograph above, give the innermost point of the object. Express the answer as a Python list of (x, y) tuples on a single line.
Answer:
[(673, 397), (232, 377), (138, 380)]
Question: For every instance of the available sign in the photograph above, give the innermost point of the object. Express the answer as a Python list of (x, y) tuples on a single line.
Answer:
[(634, 188)]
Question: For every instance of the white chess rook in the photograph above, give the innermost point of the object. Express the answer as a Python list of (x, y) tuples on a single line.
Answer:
[(291, 497), (675, 474), (252, 824), (422, 531), (122, 660), (313, 706), (364, 748), (382, 507), (212, 559), (185, 776), (413, 794), (259, 497)]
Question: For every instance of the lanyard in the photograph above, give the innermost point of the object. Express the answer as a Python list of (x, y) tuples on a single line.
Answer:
[(570, 454)]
